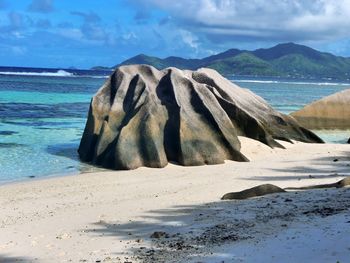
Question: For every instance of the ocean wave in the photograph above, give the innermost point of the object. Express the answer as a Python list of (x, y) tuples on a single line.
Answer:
[(58, 73), (96, 77), (291, 82)]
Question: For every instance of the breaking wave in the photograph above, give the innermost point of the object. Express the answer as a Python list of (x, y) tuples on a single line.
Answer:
[(58, 73)]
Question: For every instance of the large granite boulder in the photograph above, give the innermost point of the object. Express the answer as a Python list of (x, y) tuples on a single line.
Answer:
[(145, 117), (332, 112)]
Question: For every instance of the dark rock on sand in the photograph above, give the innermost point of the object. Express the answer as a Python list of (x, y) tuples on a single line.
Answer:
[(265, 189), (349, 141), (340, 184), (260, 190), (332, 112), (145, 117)]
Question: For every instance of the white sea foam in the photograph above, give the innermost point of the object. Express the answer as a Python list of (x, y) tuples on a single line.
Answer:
[(97, 77), (58, 73), (291, 82)]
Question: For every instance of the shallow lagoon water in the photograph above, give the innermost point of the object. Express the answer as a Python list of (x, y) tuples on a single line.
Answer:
[(42, 119), (41, 123)]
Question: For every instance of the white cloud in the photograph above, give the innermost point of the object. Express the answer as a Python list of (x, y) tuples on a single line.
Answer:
[(17, 34), (260, 19), (189, 39), (71, 33), (91, 27), (129, 36)]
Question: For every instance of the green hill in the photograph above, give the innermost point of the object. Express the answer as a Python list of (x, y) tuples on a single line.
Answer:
[(243, 64), (144, 59), (284, 60)]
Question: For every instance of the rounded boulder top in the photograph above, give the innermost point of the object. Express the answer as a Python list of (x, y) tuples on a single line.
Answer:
[(331, 112)]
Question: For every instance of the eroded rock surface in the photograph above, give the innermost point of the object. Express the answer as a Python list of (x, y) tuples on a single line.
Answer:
[(145, 117)]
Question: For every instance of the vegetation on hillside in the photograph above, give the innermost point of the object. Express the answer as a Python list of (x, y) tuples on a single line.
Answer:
[(285, 60)]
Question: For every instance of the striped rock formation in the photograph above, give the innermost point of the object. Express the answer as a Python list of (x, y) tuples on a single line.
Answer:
[(145, 117)]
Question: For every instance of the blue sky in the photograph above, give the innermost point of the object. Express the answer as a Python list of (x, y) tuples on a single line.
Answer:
[(85, 33)]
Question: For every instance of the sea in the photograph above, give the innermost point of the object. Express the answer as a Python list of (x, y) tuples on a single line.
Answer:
[(43, 114)]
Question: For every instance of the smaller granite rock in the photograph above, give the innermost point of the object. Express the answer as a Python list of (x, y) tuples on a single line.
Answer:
[(343, 183), (340, 184), (259, 190), (332, 112)]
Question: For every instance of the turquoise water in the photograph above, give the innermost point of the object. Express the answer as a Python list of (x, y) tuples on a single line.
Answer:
[(42, 119), (41, 123)]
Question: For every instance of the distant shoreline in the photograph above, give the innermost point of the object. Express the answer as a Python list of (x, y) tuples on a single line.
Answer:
[(104, 72)]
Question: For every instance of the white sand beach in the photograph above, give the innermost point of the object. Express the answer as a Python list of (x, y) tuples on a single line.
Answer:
[(110, 216)]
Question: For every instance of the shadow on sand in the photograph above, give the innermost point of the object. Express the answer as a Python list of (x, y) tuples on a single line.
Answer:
[(185, 231), (8, 259), (182, 231), (188, 230), (325, 167)]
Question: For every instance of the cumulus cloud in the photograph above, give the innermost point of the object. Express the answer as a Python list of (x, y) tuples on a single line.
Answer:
[(15, 23), (189, 39), (91, 27), (41, 6), (70, 33), (295, 20)]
